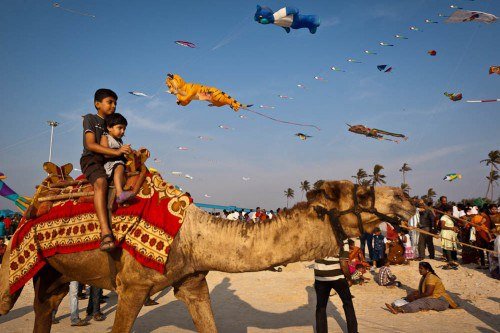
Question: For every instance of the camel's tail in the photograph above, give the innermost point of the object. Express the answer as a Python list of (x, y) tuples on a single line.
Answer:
[(7, 300)]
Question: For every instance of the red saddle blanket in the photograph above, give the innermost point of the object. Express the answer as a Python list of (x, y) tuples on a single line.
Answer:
[(145, 229)]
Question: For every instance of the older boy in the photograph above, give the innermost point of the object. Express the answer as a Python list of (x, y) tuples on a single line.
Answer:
[(92, 160)]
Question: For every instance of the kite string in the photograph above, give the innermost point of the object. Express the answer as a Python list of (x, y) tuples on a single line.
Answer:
[(281, 121)]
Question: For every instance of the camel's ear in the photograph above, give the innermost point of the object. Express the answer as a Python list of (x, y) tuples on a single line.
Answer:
[(67, 168)]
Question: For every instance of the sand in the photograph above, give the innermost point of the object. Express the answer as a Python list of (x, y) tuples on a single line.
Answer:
[(285, 302)]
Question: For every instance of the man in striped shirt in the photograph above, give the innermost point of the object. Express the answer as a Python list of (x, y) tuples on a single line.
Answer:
[(333, 272)]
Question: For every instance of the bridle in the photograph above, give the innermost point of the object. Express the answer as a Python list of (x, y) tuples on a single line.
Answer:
[(334, 214)]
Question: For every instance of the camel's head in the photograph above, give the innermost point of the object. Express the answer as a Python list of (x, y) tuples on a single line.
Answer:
[(337, 201)]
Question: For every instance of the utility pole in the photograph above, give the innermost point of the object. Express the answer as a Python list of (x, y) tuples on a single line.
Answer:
[(52, 124)]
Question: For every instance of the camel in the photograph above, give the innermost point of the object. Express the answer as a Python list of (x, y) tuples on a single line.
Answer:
[(310, 230)]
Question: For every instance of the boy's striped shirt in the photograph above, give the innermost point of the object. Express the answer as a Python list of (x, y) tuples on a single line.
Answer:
[(328, 268)]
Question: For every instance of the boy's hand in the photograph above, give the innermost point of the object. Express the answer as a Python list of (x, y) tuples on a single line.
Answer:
[(125, 149)]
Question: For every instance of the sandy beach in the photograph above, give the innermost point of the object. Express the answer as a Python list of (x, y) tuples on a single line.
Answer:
[(285, 302)]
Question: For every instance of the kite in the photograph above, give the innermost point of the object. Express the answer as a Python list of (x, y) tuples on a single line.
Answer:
[(245, 178), (375, 133), (243, 116), (494, 69), (207, 196), (452, 176), (455, 7), (484, 100), (432, 52), (469, 16), (301, 86), (443, 15), (285, 97), (430, 21), (413, 28), (205, 138), (58, 5), (188, 176), (383, 68), (370, 52), (385, 44), (185, 44), (156, 160), (454, 97), (319, 78), (354, 61), (266, 106), (138, 93), (336, 69), (183, 148), (5, 191), (287, 17), (186, 92), (225, 127), (303, 136), (400, 37), (176, 173)]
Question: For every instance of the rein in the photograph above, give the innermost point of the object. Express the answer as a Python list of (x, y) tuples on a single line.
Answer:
[(334, 214)]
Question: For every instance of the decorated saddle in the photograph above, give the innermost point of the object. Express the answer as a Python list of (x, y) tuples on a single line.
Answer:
[(62, 220)]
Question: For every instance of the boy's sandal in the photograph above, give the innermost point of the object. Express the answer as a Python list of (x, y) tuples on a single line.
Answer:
[(99, 316), (391, 308), (109, 244)]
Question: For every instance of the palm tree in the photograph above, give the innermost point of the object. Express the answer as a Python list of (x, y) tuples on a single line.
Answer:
[(377, 177), (360, 175), (404, 169), (366, 182), (304, 187), (289, 193), (430, 194), (492, 160), (492, 181), (318, 184), (406, 188)]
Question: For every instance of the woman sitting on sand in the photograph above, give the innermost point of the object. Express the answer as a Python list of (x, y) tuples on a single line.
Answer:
[(430, 295)]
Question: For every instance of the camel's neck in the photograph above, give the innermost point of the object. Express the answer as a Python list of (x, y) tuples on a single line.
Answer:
[(235, 246)]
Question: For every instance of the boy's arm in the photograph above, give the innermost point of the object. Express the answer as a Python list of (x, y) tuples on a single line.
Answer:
[(105, 143), (97, 148)]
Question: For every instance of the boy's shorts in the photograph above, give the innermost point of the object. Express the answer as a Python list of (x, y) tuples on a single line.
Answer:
[(93, 167)]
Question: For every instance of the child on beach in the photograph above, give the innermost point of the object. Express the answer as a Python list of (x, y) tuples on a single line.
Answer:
[(378, 248), (357, 277), (405, 240), (115, 166), (92, 160), (384, 277)]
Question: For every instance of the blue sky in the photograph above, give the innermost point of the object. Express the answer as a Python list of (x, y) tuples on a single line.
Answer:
[(54, 60)]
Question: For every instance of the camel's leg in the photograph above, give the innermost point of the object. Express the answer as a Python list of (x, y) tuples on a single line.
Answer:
[(49, 292), (131, 298), (194, 292)]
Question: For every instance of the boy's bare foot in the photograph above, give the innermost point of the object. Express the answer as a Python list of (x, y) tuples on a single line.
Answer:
[(124, 196), (107, 243)]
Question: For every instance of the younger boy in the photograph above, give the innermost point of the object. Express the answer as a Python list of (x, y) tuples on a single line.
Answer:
[(92, 160), (357, 277), (384, 277)]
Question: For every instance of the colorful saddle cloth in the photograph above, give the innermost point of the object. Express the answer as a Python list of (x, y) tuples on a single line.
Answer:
[(145, 229)]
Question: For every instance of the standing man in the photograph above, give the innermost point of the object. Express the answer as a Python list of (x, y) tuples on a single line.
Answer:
[(426, 221), (333, 273)]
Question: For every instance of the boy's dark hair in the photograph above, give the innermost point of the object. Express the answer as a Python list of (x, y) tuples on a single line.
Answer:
[(102, 93), (376, 229), (350, 242), (116, 119), (359, 266)]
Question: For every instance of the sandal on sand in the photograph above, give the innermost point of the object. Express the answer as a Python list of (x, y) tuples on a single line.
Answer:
[(109, 244), (80, 323), (99, 316), (391, 308), (150, 302), (125, 196)]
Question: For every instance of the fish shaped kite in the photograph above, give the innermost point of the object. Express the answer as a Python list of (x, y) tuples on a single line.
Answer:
[(301, 86), (494, 70), (285, 97), (205, 138), (188, 176), (432, 52), (185, 44), (453, 97), (225, 127), (443, 15), (263, 106), (207, 196), (460, 16), (5, 191), (319, 78), (336, 69), (455, 7), (287, 17), (138, 93), (176, 173), (375, 133), (58, 6), (354, 61), (370, 52), (414, 28), (243, 116), (245, 178), (400, 36), (382, 68), (385, 44), (182, 148), (187, 91), (430, 21), (452, 176), (303, 136)]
